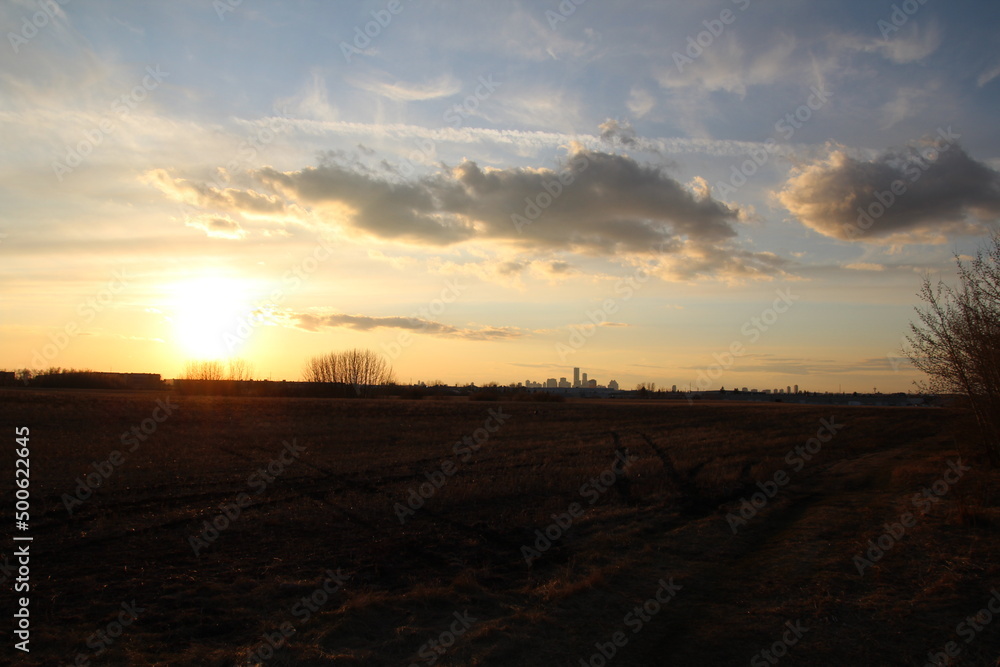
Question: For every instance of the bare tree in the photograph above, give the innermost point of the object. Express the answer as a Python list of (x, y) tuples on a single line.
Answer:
[(204, 370), (957, 342), (240, 370), (363, 369), (323, 368)]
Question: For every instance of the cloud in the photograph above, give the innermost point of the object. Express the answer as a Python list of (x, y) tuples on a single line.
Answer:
[(907, 103), (222, 227), (640, 101), (864, 266), (915, 45), (901, 46), (205, 196), (599, 203), (728, 66), (937, 192), (357, 200), (988, 75), (615, 133), (314, 322), (534, 105), (380, 83), (594, 203), (312, 100)]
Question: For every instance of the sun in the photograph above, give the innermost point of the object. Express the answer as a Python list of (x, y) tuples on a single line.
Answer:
[(207, 313)]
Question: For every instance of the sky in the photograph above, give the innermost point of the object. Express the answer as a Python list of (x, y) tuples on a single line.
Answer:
[(723, 193)]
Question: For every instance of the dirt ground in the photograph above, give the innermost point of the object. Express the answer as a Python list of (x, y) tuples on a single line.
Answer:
[(223, 531)]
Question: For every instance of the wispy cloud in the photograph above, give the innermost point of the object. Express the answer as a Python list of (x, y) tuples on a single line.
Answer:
[(315, 322)]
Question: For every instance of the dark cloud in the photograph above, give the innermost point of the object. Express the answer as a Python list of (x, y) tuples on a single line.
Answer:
[(599, 203), (386, 210), (596, 203), (313, 322), (615, 133), (917, 194)]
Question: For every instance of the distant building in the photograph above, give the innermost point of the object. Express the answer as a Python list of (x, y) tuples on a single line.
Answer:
[(585, 380), (551, 383), (796, 389), (592, 384), (788, 389), (674, 389), (613, 385), (563, 384), (576, 377)]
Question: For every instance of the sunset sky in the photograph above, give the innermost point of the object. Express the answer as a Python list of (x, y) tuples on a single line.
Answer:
[(465, 187)]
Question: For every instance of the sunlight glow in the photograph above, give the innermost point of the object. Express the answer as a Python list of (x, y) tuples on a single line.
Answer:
[(207, 315)]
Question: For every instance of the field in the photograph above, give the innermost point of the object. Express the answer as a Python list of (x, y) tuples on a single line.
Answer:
[(324, 551)]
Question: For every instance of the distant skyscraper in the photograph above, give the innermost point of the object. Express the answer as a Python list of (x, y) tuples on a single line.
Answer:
[(788, 389), (576, 377), (796, 389), (584, 379), (563, 384), (613, 385)]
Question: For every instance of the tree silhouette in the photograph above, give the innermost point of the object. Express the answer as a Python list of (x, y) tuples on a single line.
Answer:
[(363, 369), (957, 342)]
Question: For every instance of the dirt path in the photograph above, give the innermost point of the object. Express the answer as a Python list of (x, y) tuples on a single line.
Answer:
[(793, 563)]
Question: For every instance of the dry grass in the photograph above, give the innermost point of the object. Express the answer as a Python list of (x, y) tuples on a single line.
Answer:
[(461, 552)]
